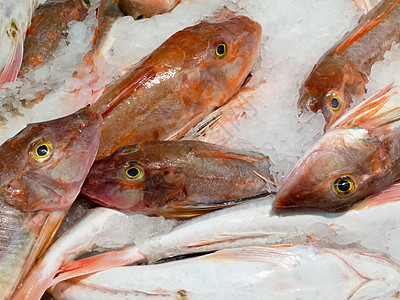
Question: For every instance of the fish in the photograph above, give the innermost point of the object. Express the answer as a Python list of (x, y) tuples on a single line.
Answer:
[(140, 9), (42, 169), (247, 273), (192, 73), (48, 27), (343, 71), (357, 157), (15, 19), (372, 223), (178, 179)]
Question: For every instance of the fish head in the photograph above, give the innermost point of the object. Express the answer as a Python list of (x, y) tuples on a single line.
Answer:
[(216, 57), (44, 165), (117, 181), (332, 175), (330, 88)]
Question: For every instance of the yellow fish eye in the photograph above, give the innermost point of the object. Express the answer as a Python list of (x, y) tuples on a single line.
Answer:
[(135, 172), (220, 51), (334, 100), (86, 3), (344, 185), (42, 152)]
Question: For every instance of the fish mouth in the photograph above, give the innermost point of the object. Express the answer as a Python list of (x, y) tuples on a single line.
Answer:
[(41, 228)]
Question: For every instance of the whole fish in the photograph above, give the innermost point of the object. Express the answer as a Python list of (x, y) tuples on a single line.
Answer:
[(372, 224), (357, 157), (195, 71), (139, 9), (42, 169), (290, 272), (343, 71), (49, 25), (177, 179), (15, 18)]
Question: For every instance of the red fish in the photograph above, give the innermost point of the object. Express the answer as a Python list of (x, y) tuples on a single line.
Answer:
[(49, 25), (176, 178), (343, 71), (195, 71), (42, 169), (139, 9)]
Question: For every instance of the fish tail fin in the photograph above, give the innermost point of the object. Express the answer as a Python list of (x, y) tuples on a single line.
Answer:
[(14, 61), (101, 262), (366, 114)]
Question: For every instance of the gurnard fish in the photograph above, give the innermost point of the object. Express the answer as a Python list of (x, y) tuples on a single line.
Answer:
[(140, 9), (49, 25), (42, 169), (195, 71), (343, 71), (247, 273), (373, 224), (15, 18), (357, 157), (178, 179)]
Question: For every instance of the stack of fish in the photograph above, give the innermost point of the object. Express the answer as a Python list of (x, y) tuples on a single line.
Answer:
[(137, 127)]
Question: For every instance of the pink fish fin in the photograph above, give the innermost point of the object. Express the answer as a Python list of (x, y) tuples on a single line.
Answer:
[(128, 84), (363, 112), (116, 258), (387, 195), (270, 254), (384, 9), (232, 111), (14, 61), (364, 5)]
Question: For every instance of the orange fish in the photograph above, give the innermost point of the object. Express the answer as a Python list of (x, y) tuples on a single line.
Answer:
[(192, 73), (343, 71), (49, 25), (140, 9), (42, 169), (176, 178), (357, 157)]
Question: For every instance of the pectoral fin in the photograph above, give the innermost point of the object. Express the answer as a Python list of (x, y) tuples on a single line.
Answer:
[(13, 63)]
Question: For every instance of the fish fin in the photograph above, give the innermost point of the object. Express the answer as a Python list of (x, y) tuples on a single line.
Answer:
[(14, 61), (364, 5), (201, 208), (381, 13), (275, 255), (365, 111), (31, 286), (216, 153), (116, 258), (122, 89), (232, 111), (387, 195)]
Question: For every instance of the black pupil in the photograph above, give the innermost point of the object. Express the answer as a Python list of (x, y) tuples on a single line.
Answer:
[(42, 150), (335, 103), (133, 172), (221, 49), (343, 185), (87, 2)]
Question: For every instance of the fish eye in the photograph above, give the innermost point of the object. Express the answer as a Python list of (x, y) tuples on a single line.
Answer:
[(220, 51), (86, 3), (42, 152), (344, 185), (135, 172), (334, 100)]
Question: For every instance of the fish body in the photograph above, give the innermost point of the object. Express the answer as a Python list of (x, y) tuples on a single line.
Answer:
[(41, 171), (195, 71), (139, 9), (15, 19), (176, 178), (290, 272), (357, 157), (49, 25), (343, 71)]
